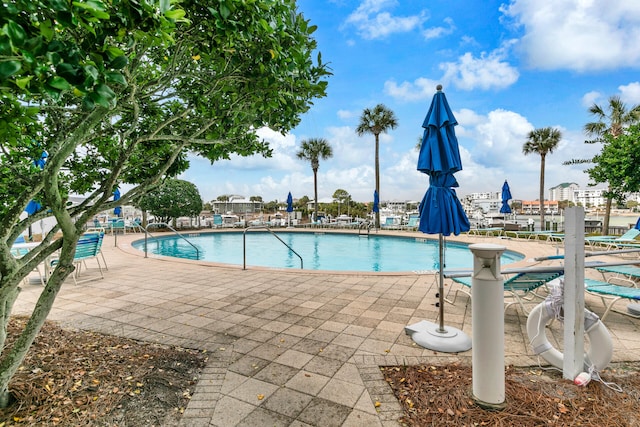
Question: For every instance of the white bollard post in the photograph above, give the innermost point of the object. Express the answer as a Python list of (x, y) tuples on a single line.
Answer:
[(487, 324)]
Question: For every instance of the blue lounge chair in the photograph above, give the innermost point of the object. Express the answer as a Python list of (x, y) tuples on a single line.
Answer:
[(613, 241), (611, 293), (87, 248), (520, 287)]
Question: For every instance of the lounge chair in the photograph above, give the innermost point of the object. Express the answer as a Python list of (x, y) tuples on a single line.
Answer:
[(491, 231), (614, 241), (88, 247), (624, 271), (520, 287), (610, 293)]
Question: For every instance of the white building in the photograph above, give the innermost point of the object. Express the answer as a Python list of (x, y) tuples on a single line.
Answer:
[(564, 191), (590, 198)]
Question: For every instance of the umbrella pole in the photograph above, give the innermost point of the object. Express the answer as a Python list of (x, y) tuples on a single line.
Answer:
[(441, 284)]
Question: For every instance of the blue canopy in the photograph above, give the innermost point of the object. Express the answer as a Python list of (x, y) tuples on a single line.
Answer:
[(506, 196), (376, 201), (440, 209), (116, 196), (638, 224), (289, 202), (33, 206)]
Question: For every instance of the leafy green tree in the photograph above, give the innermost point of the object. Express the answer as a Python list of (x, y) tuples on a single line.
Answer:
[(172, 199), (223, 198), (341, 196), (542, 141), (313, 150), (617, 163), (255, 199), (609, 125), (120, 92), (376, 121)]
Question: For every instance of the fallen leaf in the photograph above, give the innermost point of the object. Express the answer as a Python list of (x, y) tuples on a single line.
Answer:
[(260, 396)]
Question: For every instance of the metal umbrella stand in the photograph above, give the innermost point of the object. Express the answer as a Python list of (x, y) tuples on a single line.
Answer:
[(440, 213)]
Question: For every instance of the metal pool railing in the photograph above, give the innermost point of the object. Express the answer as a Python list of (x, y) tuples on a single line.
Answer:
[(156, 224), (244, 244)]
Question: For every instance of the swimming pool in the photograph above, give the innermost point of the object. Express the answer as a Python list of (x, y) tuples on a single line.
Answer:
[(319, 251)]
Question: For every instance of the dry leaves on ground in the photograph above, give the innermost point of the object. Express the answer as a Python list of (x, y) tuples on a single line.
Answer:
[(80, 378), (442, 396)]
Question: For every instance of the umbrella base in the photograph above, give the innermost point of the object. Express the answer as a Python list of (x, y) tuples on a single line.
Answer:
[(428, 335)]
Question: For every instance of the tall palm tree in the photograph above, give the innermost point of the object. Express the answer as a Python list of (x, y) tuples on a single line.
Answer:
[(377, 121), (542, 141), (313, 150), (613, 123)]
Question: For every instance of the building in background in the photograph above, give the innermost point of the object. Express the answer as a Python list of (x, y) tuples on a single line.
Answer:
[(564, 191)]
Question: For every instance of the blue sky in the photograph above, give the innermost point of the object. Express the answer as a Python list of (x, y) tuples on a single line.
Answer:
[(507, 67)]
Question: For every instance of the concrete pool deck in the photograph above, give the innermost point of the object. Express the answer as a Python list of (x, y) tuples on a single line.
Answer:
[(289, 347)]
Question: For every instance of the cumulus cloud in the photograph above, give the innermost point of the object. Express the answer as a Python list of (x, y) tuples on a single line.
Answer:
[(488, 71), (372, 21), (422, 88), (577, 34), (588, 99), (437, 32), (630, 93)]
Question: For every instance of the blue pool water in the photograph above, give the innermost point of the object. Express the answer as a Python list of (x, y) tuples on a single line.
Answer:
[(319, 251)]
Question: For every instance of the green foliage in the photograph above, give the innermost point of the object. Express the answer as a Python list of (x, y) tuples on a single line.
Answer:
[(121, 92), (617, 163), (172, 199)]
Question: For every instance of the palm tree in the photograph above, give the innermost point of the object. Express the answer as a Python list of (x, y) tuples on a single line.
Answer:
[(613, 123), (542, 141), (313, 150), (377, 121)]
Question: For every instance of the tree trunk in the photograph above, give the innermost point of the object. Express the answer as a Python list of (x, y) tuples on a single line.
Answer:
[(315, 195), (607, 217), (377, 163), (542, 162)]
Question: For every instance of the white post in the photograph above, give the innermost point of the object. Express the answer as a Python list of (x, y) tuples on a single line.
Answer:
[(573, 362), (487, 322)]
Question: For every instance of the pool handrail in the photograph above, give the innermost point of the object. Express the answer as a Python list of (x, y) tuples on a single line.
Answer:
[(155, 224), (244, 244)]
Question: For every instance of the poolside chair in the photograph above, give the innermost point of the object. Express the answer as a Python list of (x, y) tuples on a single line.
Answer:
[(88, 247), (521, 287), (610, 293), (614, 241), (625, 271)]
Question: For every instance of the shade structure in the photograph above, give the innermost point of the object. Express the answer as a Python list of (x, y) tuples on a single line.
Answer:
[(117, 211), (440, 213), (506, 196)]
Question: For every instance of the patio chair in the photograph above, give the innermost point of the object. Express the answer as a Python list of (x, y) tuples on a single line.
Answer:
[(614, 241), (610, 293), (88, 247), (521, 287)]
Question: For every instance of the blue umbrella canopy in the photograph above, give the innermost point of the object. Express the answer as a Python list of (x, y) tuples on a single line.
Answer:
[(638, 224), (440, 209), (376, 201), (33, 206), (116, 196), (289, 202), (506, 196)]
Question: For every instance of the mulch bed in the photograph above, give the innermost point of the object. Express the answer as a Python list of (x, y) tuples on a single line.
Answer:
[(442, 396), (81, 378)]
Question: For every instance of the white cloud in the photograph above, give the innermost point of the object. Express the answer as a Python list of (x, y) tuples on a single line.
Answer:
[(578, 34), (419, 90), (588, 99), (436, 32), (347, 114), (489, 71), (630, 93), (373, 22)]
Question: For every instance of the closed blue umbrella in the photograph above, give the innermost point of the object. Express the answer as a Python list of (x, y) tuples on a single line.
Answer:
[(289, 203), (376, 201), (506, 196), (116, 196), (440, 212), (289, 206), (638, 224), (33, 206)]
